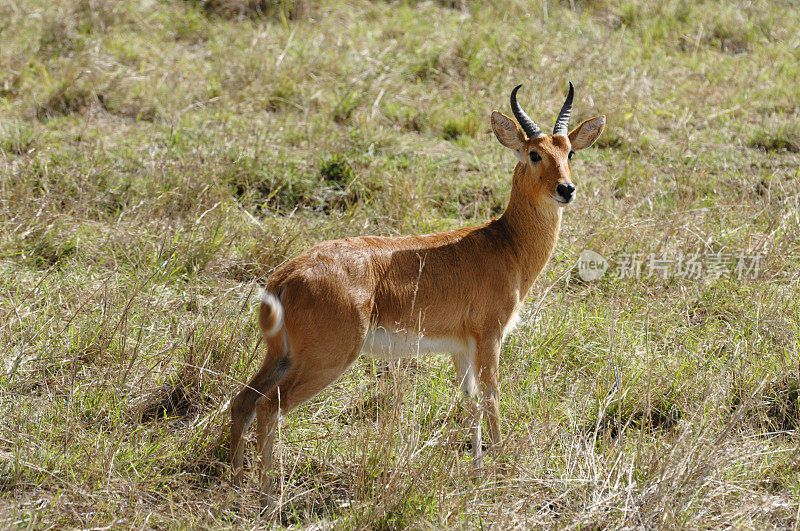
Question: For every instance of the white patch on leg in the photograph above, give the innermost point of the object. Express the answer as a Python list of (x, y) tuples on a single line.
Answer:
[(513, 321), (465, 370)]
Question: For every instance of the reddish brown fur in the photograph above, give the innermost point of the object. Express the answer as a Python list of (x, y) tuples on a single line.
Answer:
[(466, 283)]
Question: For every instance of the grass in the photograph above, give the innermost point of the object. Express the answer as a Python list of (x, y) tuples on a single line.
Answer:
[(157, 158)]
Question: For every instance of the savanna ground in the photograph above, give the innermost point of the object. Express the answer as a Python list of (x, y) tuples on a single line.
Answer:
[(158, 157)]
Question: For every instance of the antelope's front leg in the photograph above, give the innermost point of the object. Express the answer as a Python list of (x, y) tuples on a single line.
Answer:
[(488, 357), (465, 369)]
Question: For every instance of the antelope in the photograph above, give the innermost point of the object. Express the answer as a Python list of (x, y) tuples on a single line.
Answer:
[(456, 292)]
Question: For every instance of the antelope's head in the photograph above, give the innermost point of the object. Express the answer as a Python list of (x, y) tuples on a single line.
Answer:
[(545, 159)]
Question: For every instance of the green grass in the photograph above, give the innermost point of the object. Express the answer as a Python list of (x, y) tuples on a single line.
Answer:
[(156, 158)]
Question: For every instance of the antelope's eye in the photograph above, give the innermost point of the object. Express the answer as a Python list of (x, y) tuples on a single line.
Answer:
[(535, 157), (569, 156)]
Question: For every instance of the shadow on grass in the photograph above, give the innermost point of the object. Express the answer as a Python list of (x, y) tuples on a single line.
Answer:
[(653, 416), (775, 407)]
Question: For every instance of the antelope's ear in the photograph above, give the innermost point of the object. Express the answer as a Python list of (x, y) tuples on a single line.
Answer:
[(507, 131), (587, 132)]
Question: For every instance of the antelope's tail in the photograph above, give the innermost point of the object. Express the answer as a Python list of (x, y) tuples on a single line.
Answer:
[(270, 314), (270, 320)]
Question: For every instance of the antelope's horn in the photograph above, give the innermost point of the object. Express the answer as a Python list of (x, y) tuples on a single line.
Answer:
[(562, 122), (528, 125)]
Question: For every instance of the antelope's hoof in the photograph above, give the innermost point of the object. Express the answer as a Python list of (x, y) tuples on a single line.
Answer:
[(236, 478), (267, 502)]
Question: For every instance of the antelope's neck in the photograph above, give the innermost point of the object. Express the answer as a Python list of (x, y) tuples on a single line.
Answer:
[(533, 226)]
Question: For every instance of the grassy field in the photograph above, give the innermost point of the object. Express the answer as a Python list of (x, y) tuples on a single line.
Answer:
[(157, 157)]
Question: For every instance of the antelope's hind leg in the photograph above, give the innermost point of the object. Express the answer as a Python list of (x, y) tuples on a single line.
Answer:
[(243, 411), (306, 379), (243, 406), (268, 415)]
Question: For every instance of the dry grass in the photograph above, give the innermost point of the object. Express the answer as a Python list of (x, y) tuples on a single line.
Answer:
[(157, 157)]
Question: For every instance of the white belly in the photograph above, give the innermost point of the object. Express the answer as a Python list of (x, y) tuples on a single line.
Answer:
[(387, 344)]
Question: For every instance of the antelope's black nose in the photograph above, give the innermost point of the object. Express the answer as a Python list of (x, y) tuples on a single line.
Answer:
[(566, 191)]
